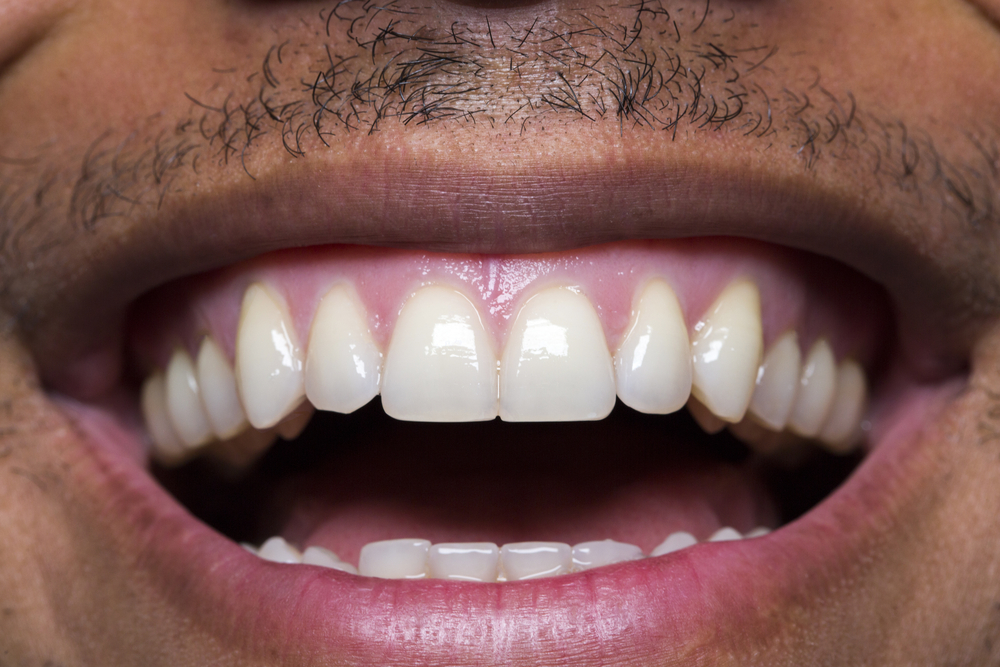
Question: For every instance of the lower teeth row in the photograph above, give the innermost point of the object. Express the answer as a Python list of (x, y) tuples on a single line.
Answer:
[(481, 561)]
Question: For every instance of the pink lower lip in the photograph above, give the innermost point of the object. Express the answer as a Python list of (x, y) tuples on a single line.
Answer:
[(675, 607)]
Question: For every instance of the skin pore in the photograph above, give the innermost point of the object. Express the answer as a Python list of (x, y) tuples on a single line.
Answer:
[(130, 128)]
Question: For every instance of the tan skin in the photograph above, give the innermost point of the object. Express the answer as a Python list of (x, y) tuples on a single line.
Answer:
[(74, 590)]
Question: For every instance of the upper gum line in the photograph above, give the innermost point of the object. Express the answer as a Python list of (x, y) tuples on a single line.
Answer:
[(600, 373)]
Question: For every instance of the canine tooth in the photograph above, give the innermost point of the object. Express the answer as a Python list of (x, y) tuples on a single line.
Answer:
[(777, 383), (588, 555), (841, 429), (727, 350), (531, 560), (343, 365), (268, 358), (218, 391), (470, 561), (708, 422), (277, 550), (184, 402), (440, 365), (817, 386), (556, 365), (675, 542), (394, 559), (653, 364), (326, 558), (725, 535), (167, 446), (759, 531)]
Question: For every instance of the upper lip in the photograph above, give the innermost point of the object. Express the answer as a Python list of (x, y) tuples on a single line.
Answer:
[(472, 206)]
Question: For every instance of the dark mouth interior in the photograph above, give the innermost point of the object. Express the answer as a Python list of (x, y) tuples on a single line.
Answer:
[(482, 478)]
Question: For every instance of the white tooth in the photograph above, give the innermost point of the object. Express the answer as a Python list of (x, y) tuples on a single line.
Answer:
[(277, 550), (653, 364), (344, 365), (531, 560), (817, 386), (268, 358), (470, 561), (588, 555), (184, 402), (249, 547), (777, 383), (727, 350), (440, 365), (841, 431), (725, 535), (759, 531), (675, 542), (556, 365), (292, 426), (218, 391), (326, 558), (394, 559), (167, 446), (708, 422)]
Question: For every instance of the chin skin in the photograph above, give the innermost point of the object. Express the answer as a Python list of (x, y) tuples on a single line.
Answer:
[(80, 590)]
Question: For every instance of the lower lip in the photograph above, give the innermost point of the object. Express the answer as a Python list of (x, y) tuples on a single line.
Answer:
[(671, 607)]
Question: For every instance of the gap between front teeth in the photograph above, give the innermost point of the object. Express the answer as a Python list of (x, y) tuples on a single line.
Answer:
[(482, 561), (440, 365)]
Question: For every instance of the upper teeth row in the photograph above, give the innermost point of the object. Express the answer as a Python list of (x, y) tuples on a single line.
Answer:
[(440, 365), (481, 561)]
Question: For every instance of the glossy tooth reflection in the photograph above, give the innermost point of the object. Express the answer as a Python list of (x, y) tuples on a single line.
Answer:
[(817, 386), (727, 351), (777, 383), (218, 391), (653, 364), (726, 535), (277, 550), (556, 365), (394, 559), (184, 401), (343, 365), (167, 445), (440, 365), (674, 542), (532, 560), (468, 561), (326, 558), (268, 358), (588, 555), (842, 429)]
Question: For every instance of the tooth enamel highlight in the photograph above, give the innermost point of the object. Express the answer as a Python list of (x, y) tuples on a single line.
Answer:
[(817, 386), (184, 402), (727, 351), (588, 555), (344, 365), (531, 560), (759, 531), (725, 535), (840, 433), (653, 364), (268, 358), (440, 365), (556, 365), (218, 391), (326, 558), (675, 542), (277, 550), (777, 383), (167, 446), (394, 559), (471, 561)]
